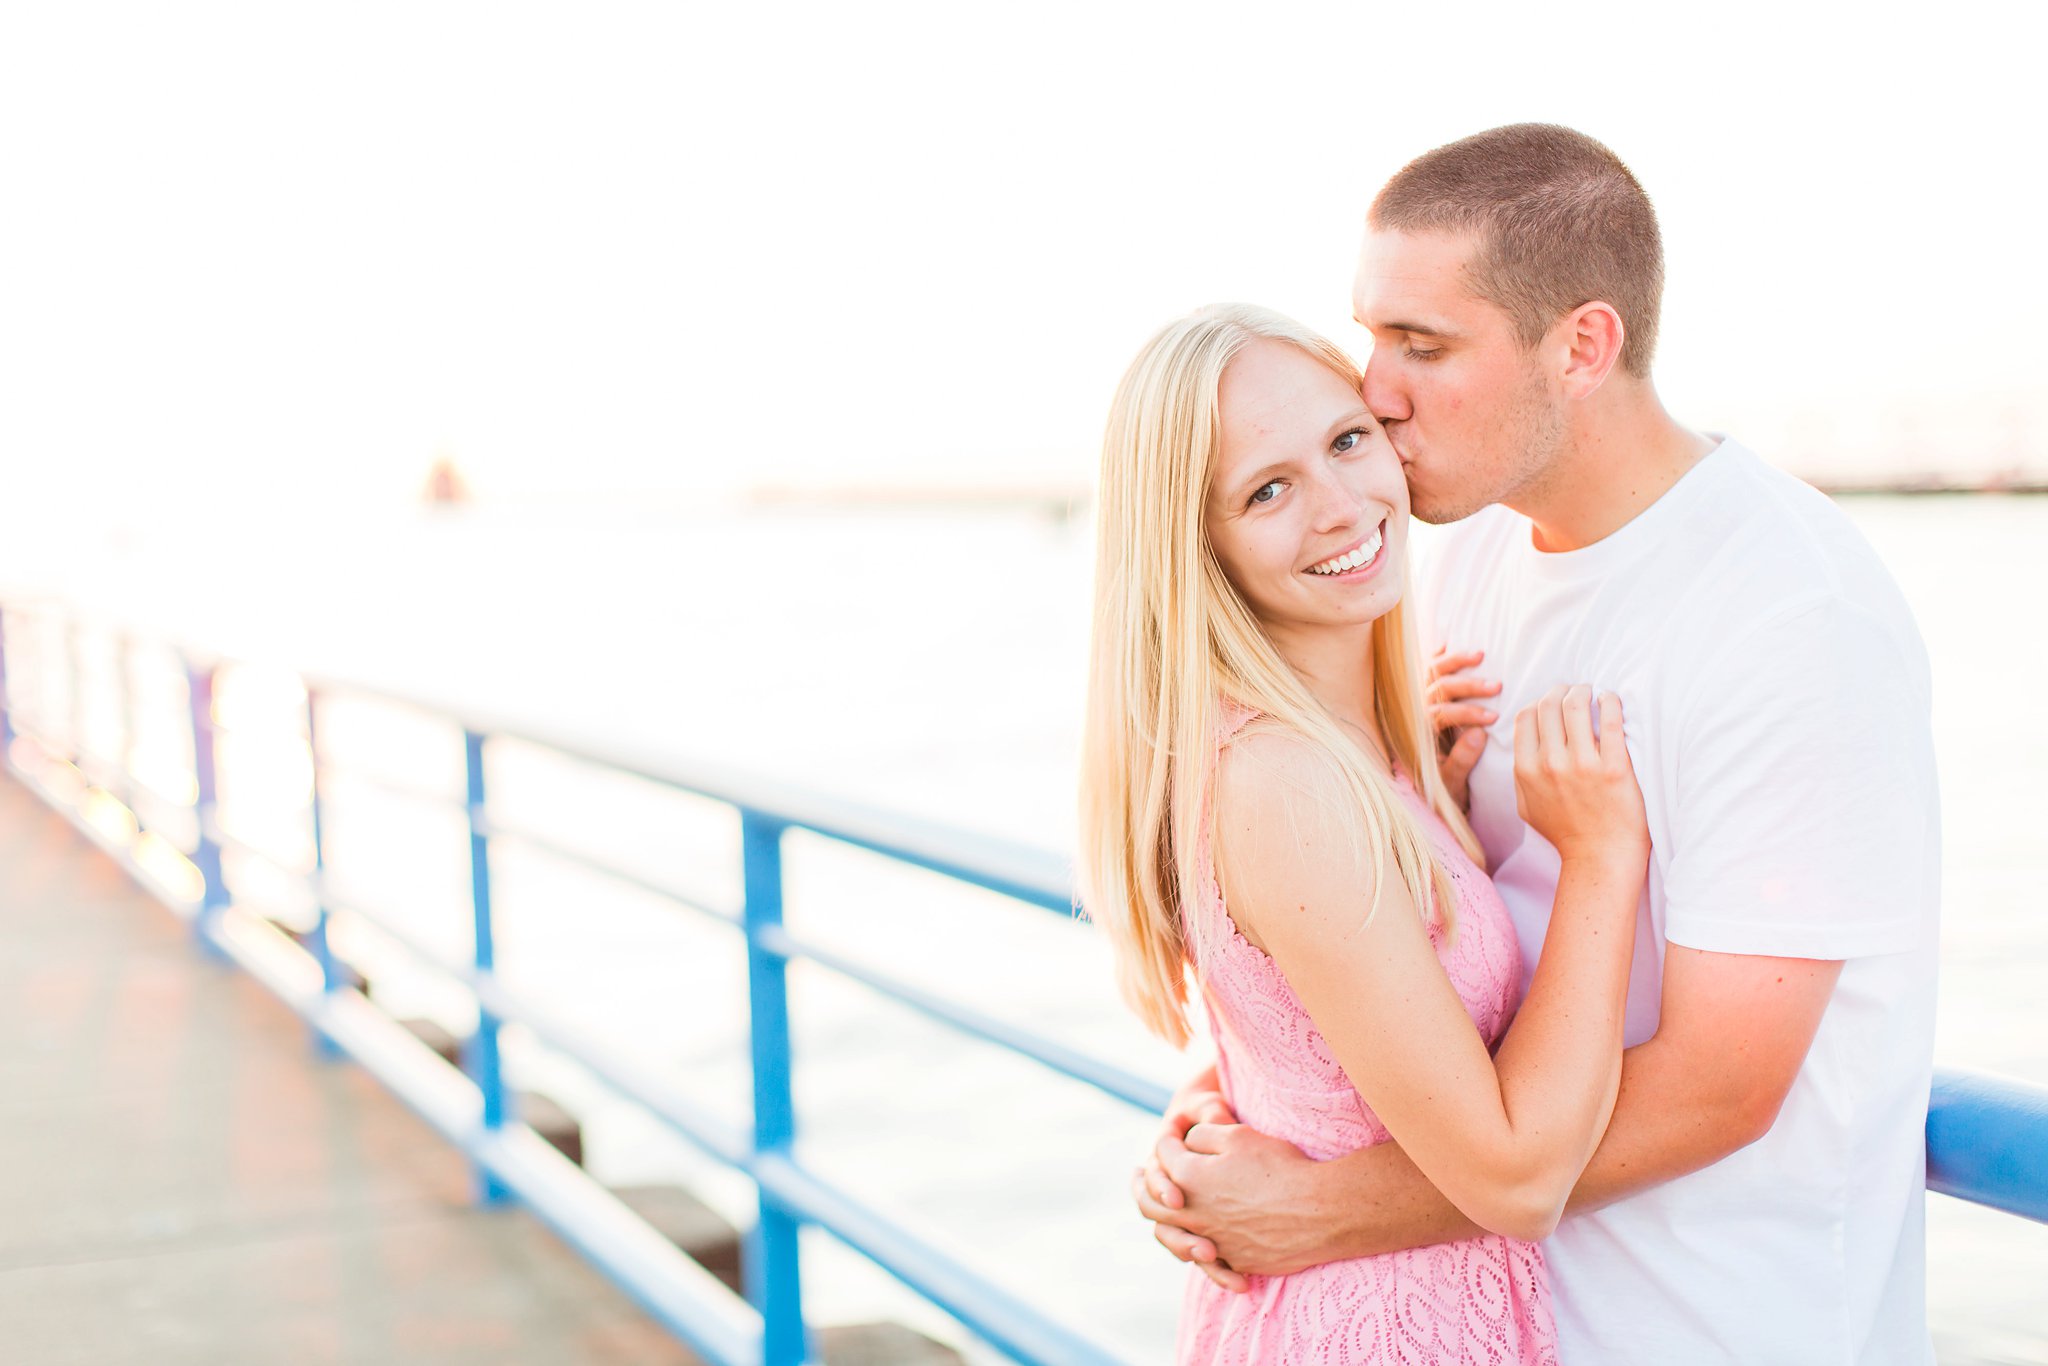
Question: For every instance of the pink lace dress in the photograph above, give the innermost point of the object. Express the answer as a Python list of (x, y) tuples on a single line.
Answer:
[(1480, 1300)]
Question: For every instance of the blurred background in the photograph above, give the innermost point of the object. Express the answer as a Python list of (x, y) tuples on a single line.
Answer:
[(723, 382)]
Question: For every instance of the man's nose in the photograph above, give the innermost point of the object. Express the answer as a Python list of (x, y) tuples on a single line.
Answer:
[(1382, 390)]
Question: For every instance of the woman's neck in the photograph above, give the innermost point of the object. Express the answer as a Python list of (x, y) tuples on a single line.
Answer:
[(1336, 666)]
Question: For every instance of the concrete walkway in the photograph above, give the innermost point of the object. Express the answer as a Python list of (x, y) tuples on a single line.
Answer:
[(182, 1181)]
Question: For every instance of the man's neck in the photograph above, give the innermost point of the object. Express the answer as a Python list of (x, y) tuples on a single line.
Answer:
[(1616, 461)]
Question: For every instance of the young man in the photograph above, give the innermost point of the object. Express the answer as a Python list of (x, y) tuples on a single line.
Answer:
[(1759, 1194)]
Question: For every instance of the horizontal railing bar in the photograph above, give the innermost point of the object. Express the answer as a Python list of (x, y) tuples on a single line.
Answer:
[(717, 1137), (211, 828), (139, 789), (1148, 1096), (107, 774), (391, 786), (1026, 872), (590, 863), (1034, 876), (1987, 1141), (320, 888), (990, 1311), (720, 1139)]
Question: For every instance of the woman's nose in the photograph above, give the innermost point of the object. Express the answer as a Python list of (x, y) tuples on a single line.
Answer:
[(1337, 505)]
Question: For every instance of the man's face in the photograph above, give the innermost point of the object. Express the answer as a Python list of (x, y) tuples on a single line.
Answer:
[(1468, 408)]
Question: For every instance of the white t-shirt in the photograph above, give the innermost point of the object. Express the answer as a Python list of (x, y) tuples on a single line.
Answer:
[(1776, 697)]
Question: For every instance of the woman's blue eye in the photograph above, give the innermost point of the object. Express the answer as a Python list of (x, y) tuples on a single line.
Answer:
[(1266, 493), (1348, 442)]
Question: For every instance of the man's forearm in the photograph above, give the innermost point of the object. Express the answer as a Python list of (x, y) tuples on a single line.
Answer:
[(1378, 1200)]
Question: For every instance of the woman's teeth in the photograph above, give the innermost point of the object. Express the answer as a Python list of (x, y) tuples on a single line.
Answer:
[(1351, 560)]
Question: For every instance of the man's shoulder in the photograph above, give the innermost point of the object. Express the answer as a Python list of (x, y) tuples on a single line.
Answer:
[(1768, 546), (1780, 580)]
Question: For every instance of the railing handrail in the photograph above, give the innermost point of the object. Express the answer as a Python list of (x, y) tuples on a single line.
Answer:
[(1987, 1136), (1987, 1141), (1027, 872), (789, 1194)]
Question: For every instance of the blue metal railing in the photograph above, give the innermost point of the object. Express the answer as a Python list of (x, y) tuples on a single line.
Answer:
[(510, 1161), (1987, 1137)]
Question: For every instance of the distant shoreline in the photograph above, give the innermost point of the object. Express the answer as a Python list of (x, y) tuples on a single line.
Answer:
[(1923, 487), (1064, 504)]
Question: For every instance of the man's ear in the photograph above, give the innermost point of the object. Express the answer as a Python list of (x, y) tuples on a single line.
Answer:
[(1591, 337)]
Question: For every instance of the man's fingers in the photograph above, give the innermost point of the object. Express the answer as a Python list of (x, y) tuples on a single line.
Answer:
[(1444, 663), (1208, 1107), (1149, 1204), (1173, 1156), (1550, 743), (1202, 1253), (1527, 745), (1459, 715), (1613, 745), (1208, 1139), (1577, 712), (1160, 1188), (1450, 689), (1195, 1109), (1457, 765), (1183, 1244), (1224, 1276)]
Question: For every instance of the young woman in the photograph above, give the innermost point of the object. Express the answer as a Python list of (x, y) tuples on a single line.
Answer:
[(1261, 805)]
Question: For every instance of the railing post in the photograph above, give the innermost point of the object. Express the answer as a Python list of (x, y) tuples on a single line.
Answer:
[(6, 707), (74, 698), (480, 1056), (206, 854), (124, 686), (323, 952), (773, 1269)]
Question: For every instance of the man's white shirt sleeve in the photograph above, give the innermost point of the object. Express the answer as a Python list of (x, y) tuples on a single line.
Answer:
[(1802, 806)]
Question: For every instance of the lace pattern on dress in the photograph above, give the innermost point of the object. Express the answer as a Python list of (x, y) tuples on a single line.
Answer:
[(1477, 1300)]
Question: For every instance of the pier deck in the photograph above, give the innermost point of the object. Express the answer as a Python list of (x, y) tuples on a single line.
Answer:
[(186, 1182)]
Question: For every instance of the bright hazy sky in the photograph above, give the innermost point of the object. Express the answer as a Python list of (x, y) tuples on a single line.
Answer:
[(293, 252)]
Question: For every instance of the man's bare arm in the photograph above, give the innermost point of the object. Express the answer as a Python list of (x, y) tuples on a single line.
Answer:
[(1734, 1031)]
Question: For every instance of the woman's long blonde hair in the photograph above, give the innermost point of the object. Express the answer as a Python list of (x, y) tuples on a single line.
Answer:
[(1173, 640)]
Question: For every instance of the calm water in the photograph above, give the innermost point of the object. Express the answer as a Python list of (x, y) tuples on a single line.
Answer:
[(931, 663)]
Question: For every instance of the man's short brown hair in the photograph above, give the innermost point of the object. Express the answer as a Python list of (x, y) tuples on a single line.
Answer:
[(1560, 223)]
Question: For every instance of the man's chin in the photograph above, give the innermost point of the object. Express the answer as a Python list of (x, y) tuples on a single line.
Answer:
[(1439, 511)]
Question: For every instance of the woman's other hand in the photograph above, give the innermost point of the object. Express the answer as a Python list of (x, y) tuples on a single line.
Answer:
[(1459, 720), (1577, 788)]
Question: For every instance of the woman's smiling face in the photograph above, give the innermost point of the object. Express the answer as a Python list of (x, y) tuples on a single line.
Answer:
[(1306, 509)]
